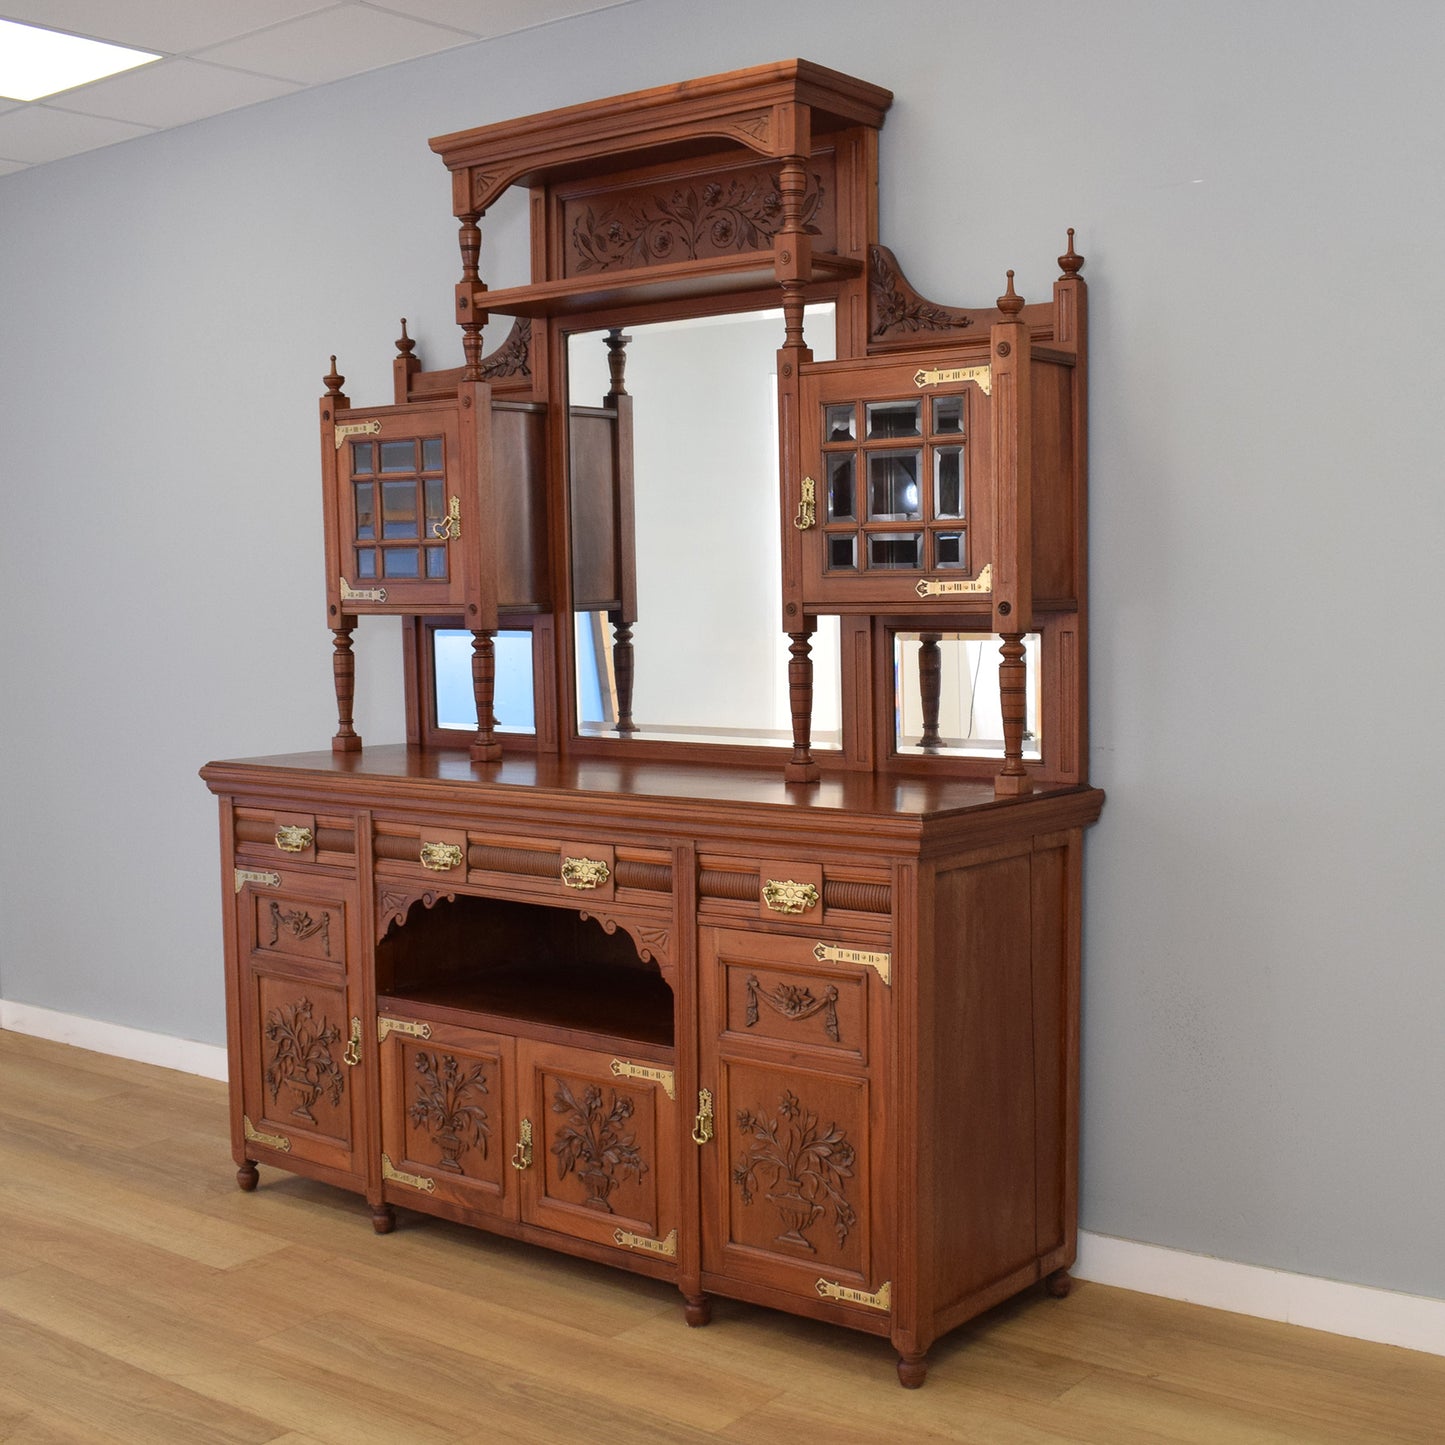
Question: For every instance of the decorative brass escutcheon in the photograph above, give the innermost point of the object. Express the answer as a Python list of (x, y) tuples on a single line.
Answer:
[(585, 872), (702, 1127), (351, 1055), (412, 1181), (385, 1025), (291, 839), (783, 895), (271, 1141), (628, 1240), (831, 953), (963, 586), (807, 506), (450, 526), (626, 1069), (881, 1299), (981, 375), (441, 857), (522, 1154)]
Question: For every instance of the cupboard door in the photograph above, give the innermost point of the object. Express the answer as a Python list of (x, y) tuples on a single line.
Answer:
[(793, 1192), (446, 1116), (300, 1024), (602, 1161)]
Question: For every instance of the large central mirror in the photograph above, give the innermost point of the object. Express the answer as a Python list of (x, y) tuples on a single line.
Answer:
[(676, 556)]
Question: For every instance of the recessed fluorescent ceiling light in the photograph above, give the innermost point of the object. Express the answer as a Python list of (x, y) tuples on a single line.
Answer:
[(36, 63)]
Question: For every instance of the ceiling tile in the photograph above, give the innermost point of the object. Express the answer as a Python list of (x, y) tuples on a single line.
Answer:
[(8, 167), (172, 93), (334, 43), (37, 133), (494, 17), (166, 25)]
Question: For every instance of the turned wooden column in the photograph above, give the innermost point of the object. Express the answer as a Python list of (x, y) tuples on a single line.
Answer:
[(1013, 702), (801, 767), (485, 747), (343, 672), (930, 687), (622, 673), (470, 316)]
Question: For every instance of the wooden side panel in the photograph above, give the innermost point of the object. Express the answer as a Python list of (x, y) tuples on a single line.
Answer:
[(518, 464), (982, 1130), (596, 569), (1054, 521), (1051, 1012)]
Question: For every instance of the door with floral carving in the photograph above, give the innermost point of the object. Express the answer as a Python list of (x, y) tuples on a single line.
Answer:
[(302, 1096), (599, 1138), (791, 1157)]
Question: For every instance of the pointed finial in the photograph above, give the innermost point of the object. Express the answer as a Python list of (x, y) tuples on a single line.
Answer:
[(1071, 263), (1010, 303), (332, 380), (404, 345)]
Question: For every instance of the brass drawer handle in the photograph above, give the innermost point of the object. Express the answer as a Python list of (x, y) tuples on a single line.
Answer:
[(702, 1127), (783, 895), (522, 1154), (441, 857), (352, 1054), (291, 839), (584, 872)]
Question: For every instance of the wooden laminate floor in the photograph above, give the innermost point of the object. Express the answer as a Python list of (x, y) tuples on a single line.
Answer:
[(144, 1298)]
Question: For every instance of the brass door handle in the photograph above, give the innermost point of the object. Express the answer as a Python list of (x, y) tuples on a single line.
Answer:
[(352, 1053), (522, 1154), (702, 1126)]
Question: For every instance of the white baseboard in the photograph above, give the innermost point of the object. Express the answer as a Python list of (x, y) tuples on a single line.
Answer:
[(1415, 1322), (1386, 1316), (208, 1060)]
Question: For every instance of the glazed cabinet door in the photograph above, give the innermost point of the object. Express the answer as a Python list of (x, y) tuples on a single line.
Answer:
[(447, 1117), (599, 1139), (300, 1023), (794, 1197)]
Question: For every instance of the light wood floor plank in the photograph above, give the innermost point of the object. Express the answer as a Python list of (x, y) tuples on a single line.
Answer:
[(143, 1298)]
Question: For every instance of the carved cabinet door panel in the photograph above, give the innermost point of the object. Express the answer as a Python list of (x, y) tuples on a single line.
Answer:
[(302, 1095), (447, 1116), (793, 1193), (599, 1140)]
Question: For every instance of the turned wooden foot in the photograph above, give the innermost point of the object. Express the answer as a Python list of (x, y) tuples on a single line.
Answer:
[(383, 1218), (1059, 1283), (697, 1311), (912, 1371), (247, 1177)]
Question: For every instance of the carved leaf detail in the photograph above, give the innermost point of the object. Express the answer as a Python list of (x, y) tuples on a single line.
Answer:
[(894, 306), (445, 1107), (513, 356), (301, 1057), (593, 1144)]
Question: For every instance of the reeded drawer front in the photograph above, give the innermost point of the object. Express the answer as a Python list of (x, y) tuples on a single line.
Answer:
[(268, 839), (794, 894)]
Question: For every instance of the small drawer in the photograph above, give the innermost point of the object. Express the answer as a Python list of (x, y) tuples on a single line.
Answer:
[(285, 840), (794, 895)]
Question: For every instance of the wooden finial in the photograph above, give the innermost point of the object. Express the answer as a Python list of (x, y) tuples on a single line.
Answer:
[(332, 380), (1010, 303), (405, 345), (1071, 263)]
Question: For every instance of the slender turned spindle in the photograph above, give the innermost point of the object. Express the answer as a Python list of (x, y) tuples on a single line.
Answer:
[(343, 671), (930, 687), (485, 748), (469, 237), (1013, 700), (622, 671), (801, 767), (617, 361), (793, 247)]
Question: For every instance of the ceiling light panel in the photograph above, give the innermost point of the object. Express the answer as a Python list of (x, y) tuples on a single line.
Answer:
[(36, 63)]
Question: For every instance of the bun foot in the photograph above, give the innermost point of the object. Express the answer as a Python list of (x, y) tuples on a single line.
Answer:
[(1059, 1283), (247, 1177), (383, 1218), (697, 1311), (912, 1371)]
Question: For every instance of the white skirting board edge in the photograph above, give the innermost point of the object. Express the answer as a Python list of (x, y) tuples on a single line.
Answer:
[(1414, 1322), (207, 1060)]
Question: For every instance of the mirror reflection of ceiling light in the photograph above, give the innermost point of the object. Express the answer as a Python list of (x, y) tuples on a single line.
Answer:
[(35, 63)]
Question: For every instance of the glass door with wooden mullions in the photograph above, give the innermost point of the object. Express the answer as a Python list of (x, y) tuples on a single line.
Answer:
[(401, 507), (896, 456)]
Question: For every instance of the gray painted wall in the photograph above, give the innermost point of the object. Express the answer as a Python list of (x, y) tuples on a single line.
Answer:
[(1257, 190)]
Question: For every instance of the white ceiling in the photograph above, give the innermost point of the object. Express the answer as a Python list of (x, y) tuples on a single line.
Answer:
[(218, 55)]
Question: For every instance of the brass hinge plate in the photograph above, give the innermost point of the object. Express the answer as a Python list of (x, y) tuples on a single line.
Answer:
[(881, 1299), (261, 877), (356, 429), (831, 953), (961, 587), (386, 1026), (626, 1069), (271, 1141), (981, 376), (412, 1181), (628, 1240)]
